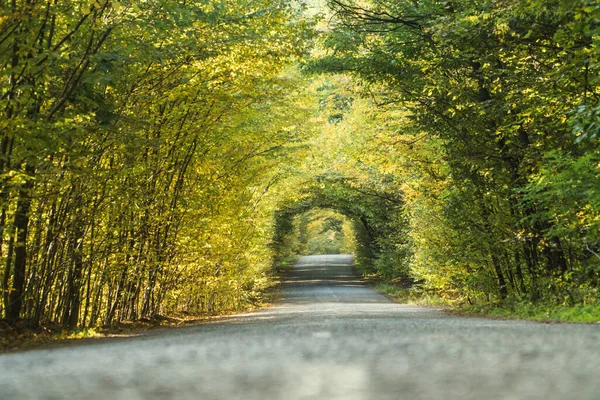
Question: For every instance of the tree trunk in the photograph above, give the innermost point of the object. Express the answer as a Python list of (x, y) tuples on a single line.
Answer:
[(7, 273), (21, 224), (73, 303), (500, 275)]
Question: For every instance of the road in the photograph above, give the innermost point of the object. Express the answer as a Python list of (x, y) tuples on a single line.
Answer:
[(330, 337)]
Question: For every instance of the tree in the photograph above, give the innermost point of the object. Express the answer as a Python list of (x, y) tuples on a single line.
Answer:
[(492, 86), (128, 129)]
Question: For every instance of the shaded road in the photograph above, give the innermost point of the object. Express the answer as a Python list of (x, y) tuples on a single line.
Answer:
[(329, 338)]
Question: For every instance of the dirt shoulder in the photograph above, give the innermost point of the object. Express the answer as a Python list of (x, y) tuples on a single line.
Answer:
[(24, 336)]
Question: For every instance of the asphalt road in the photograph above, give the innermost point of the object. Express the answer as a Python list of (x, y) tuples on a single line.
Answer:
[(329, 338)]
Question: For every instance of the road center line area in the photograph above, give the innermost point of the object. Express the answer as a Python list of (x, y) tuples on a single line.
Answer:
[(330, 337)]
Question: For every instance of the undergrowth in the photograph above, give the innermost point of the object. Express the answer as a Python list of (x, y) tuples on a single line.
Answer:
[(589, 313), (540, 312), (409, 294)]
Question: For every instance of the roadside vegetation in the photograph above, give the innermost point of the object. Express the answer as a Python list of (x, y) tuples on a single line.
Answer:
[(139, 144), (168, 157), (467, 149), (409, 293)]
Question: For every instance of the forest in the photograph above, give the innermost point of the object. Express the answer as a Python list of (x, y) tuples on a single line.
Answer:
[(169, 156)]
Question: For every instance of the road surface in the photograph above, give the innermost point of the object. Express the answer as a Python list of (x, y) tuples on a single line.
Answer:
[(330, 337)]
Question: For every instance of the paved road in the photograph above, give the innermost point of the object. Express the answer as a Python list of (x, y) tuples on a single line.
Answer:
[(329, 338)]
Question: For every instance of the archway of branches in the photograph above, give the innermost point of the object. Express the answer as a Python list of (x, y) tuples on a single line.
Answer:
[(369, 224)]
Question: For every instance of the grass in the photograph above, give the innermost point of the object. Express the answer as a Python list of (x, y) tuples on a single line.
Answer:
[(541, 312), (25, 336), (408, 293), (412, 294), (287, 263)]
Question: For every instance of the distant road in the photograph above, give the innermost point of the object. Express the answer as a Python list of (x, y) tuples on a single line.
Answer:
[(331, 337)]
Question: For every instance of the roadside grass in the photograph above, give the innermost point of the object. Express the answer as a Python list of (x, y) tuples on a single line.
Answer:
[(285, 264), (26, 336), (409, 293), (413, 294), (540, 312)]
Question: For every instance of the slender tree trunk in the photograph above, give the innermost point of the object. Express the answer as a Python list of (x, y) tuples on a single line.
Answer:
[(21, 224), (73, 299), (555, 256), (519, 272), (7, 273), (47, 264), (5, 153), (96, 303), (500, 276)]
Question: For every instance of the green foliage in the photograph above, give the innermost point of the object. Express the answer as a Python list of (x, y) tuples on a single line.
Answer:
[(325, 233), (411, 294), (162, 156), (489, 113), (139, 146), (339, 176), (541, 312)]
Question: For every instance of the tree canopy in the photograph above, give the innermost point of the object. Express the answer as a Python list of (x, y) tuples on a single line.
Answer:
[(161, 156)]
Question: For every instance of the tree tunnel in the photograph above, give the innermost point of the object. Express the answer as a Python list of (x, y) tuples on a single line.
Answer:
[(371, 221)]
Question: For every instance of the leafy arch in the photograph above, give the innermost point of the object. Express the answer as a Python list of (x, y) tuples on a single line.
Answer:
[(376, 213)]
